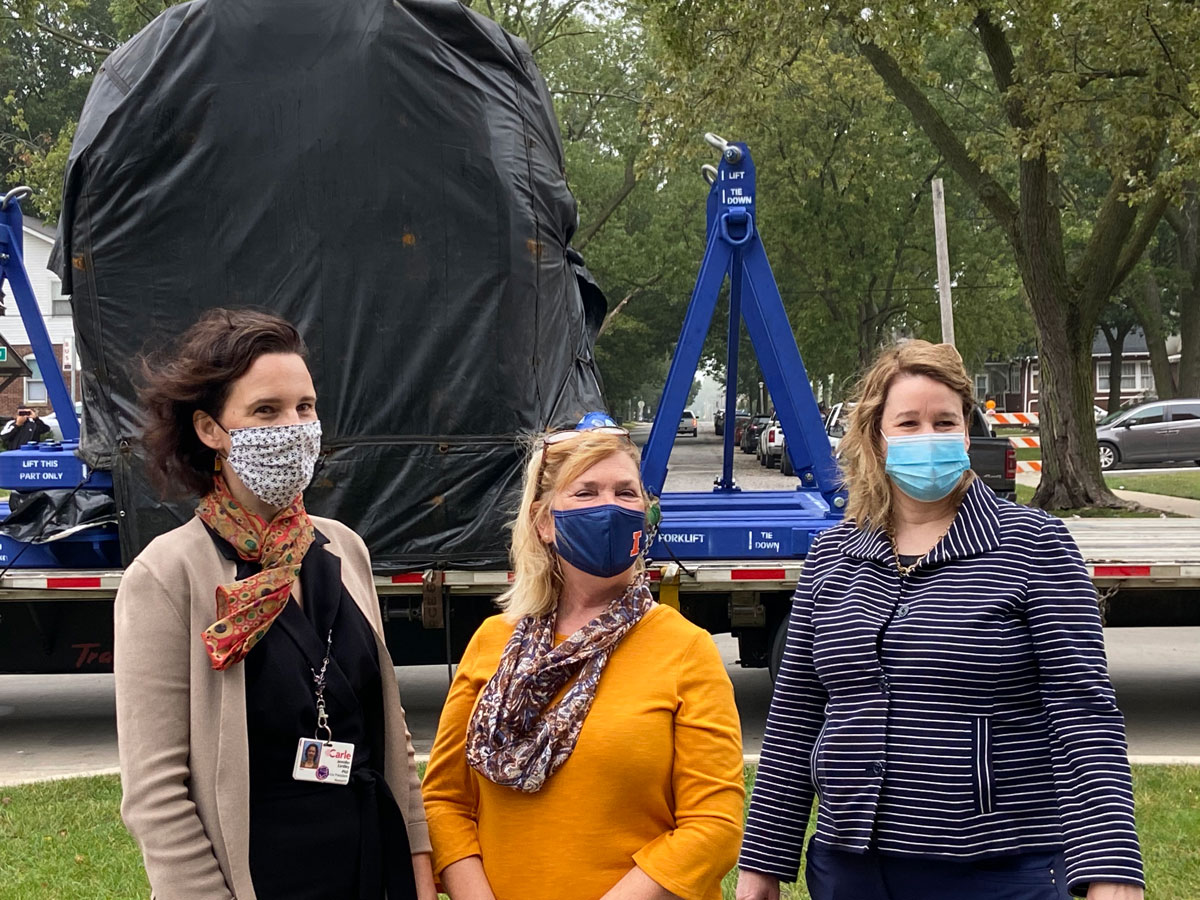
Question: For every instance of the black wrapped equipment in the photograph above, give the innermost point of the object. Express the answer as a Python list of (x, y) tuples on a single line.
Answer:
[(388, 175)]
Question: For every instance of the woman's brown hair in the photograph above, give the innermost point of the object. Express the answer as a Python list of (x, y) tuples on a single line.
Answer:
[(861, 451), (197, 372)]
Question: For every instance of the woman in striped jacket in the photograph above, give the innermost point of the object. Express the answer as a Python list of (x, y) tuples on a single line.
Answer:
[(943, 694)]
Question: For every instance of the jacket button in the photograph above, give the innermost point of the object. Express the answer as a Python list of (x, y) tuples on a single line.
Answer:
[(884, 684), (902, 611), (876, 768)]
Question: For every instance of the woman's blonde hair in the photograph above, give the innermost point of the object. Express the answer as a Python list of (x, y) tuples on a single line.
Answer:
[(863, 456), (537, 578)]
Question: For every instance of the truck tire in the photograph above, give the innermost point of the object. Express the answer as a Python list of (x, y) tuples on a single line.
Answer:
[(772, 461), (1109, 456), (778, 643), (785, 464)]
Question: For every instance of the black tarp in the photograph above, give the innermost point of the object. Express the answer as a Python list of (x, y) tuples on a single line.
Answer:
[(387, 174), (40, 517)]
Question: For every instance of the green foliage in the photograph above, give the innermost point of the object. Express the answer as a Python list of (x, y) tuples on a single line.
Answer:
[(1071, 122)]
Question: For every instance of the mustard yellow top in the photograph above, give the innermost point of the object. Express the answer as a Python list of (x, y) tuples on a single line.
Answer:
[(655, 779)]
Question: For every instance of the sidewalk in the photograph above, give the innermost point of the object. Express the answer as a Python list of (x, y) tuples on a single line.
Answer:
[(1180, 506)]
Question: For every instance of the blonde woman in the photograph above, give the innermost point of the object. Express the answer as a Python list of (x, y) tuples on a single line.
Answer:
[(590, 746), (943, 694)]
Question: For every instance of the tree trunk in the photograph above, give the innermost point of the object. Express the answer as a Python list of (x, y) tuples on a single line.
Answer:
[(1148, 310), (1116, 356), (1189, 300), (1070, 456)]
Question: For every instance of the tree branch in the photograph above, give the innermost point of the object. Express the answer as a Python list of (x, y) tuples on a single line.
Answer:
[(71, 39), (1000, 57), (1136, 245), (602, 95), (614, 203), (987, 188), (616, 310)]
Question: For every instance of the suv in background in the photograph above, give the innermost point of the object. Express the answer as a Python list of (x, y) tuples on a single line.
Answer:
[(770, 444), (1161, 431), (751, 431), (688, 424)]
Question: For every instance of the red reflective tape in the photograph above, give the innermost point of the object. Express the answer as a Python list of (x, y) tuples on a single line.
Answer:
[(1121, 572), (655, 575), (408, 578), (758, 574), (61, 583)]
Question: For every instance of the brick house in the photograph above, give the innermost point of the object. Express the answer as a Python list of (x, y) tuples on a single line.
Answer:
[(1015, 384), (56, 311)]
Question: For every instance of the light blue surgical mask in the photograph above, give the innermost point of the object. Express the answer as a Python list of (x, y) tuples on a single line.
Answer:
[(927, 467)]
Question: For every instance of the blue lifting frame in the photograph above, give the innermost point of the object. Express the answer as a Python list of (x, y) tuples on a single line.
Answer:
[(735, 250), (12, 270)]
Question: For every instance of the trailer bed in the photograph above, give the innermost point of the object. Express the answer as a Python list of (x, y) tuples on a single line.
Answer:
[(1126, 553)]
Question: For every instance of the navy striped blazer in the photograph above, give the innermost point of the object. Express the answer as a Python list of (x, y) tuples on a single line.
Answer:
[(959, 712)]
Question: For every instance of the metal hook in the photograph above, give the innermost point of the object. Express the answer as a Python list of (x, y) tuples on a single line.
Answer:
[(732, 154), (709, 172), (18, 194)]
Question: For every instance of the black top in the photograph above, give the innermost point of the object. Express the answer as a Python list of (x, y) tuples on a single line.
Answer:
[(20, 435), (311, 841)]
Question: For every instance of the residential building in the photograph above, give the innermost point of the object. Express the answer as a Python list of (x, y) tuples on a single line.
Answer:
[(1015, 384), (56, 311)]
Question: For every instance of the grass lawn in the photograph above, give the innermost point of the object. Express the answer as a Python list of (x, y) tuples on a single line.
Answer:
[(63, 840), (1173, 484)]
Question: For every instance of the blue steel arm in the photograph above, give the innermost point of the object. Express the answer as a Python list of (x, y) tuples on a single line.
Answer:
[(787, 379), (727, 482), (684, 362), (12, 269)]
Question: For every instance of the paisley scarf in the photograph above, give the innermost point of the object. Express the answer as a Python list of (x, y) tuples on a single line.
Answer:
[(515, 738), (246, 609)]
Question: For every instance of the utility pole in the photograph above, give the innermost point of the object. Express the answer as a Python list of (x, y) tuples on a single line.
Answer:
[(943, 261)]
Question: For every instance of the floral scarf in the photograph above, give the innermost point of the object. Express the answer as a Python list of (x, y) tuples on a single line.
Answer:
[(246, 609), (514, 738)]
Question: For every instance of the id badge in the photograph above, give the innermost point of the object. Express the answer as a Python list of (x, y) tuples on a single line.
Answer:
[(325, 762)]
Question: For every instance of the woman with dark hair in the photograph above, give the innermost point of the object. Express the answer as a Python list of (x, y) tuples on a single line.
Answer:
[(248, 634)]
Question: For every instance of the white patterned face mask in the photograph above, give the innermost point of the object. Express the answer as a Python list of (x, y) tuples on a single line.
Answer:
[(275, 462)]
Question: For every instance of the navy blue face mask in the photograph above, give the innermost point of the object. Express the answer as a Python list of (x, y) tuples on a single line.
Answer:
[(601, 540)]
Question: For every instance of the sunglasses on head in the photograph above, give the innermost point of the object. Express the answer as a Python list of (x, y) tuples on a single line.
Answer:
[(555, 438)]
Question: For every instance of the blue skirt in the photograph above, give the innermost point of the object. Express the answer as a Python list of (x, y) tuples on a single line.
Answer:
[(833, 874)]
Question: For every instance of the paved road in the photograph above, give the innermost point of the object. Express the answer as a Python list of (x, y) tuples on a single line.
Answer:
[(696, 462), (57, 725), (63, 724)]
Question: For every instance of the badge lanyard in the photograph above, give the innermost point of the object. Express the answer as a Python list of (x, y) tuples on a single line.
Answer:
[(318, 759)]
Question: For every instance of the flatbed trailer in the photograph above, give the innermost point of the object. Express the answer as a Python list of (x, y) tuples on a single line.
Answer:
[(1146, 571)]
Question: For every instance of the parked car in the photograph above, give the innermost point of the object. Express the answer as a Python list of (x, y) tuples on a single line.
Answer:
[(688, 424), (1161, 431), (719, 421), (770, 444), (739, 425), (749, 442)]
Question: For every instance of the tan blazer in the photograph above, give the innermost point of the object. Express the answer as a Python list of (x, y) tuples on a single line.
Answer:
[(181, 726)]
